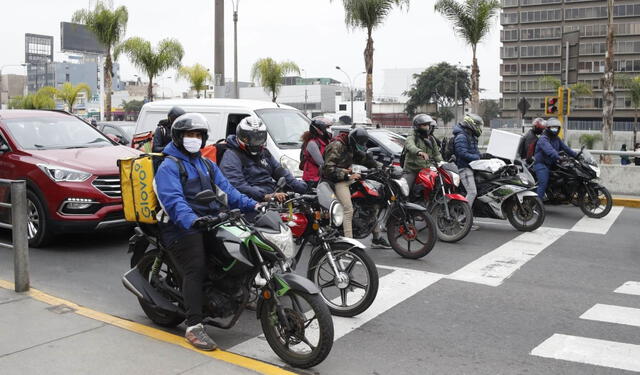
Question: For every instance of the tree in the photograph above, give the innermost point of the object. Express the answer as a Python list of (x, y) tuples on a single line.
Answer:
[(589, 140), (132, 108), (608, 88), (633, 85), (577, 89), (489, 110), (369, 14), (68, 93), (42, 99), (197, 74), (270, 74), (153, 62), (437, 84), (472, 22), (109, 27)]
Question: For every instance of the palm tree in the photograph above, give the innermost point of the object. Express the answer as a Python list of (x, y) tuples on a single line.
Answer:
[(633, 85), (270, 73), (153, 62), (577, 89), (368, 14), (68, 93), (197, 74), (109, 27), (472, 22)]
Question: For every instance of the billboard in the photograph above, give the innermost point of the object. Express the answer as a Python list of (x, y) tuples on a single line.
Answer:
[(75, 37)]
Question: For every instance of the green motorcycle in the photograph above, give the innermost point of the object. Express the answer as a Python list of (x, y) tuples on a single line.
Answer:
[(295, 320)]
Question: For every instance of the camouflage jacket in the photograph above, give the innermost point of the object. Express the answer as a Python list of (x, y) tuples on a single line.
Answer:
[(338, 157)]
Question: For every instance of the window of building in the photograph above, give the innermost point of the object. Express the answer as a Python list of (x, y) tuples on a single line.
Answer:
[(509, 103), (585, 13), (509, 69), (508, 52), (554, 32), (541, 16), (540, 68), (509, 35), (509, 18), (509, 86), (593, 48), (525, 3), (535, 85), (342, 107), (627, 10), (509, 3), (540, 51), (627, 46)]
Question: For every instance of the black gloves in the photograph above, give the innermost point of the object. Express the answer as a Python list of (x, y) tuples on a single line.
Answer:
[(206, 222), (486, 156)]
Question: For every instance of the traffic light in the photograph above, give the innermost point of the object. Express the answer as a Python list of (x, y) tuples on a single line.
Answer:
[(551, 105)]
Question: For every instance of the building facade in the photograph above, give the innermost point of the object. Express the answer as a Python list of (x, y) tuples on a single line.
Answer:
[(532, 47), (11, 86)]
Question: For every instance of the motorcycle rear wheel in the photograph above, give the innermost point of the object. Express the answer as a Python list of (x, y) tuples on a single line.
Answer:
[(458, 226), (361, 273), (525, 217), (590, 209), (168, 273), (419, 228), (309, 339)]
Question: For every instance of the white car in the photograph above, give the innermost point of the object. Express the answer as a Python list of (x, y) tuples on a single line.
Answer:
[(285, 124)]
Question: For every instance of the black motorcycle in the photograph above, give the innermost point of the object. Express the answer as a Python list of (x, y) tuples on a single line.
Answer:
[(575, 181), (251, 256)]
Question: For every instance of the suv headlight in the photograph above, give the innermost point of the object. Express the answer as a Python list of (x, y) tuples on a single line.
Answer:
[(337, 214), (283, 240), (60, 174), (291, 165)]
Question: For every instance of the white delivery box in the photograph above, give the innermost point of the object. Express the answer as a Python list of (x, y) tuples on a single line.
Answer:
[(503, 144)]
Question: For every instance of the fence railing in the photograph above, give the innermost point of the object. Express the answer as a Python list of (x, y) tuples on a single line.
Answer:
[(18, 226), (574, 124)]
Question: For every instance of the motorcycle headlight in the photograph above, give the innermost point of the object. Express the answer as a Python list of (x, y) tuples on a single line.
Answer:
[(404, 186), (455, 178), (337, 214), (291, 165), (283, 240), (60, 174), (595, 169)]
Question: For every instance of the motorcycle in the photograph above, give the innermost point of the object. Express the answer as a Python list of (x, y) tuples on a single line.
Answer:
[(339, 266), (295, 320), (381, 197), (575, 181), (507, 191), (435, 188)]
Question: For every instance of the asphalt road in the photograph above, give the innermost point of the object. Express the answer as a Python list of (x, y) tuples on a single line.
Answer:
[(498, 302)]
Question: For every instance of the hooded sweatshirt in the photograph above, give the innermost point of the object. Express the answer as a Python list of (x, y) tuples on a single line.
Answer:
[(466, 147)]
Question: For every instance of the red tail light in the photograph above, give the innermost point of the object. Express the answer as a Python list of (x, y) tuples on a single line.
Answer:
[(396, 164)]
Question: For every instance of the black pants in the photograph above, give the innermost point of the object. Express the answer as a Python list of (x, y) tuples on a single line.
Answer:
[(190, 252)]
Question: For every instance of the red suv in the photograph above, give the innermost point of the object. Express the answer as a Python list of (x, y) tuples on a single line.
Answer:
[(70, 168)]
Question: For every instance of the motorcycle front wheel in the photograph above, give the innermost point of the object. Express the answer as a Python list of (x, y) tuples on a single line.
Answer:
[(412, 236), (355, 287), (306, 338), (526, 216), (598, 203), (459, 223)]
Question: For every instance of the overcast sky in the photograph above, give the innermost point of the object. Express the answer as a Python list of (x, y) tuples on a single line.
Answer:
[(310, 33)]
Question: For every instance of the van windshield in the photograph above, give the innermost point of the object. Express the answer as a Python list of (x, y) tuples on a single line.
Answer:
[(285, 126)]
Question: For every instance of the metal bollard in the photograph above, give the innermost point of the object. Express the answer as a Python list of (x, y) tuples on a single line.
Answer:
[(19, 233)]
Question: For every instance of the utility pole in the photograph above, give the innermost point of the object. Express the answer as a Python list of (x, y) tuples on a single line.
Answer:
[(235, 4), (219, 49)]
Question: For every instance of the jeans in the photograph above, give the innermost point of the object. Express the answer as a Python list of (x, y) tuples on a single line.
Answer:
[(542, 173), (411, 179), (466, 177)]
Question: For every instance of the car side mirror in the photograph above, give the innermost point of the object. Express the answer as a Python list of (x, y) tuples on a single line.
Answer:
[(4, 147)]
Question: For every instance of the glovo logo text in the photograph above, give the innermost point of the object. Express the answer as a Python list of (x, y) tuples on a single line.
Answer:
[(144, 198)]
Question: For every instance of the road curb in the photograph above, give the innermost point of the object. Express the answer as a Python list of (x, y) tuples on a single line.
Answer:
[(627, 202), (141, 329)]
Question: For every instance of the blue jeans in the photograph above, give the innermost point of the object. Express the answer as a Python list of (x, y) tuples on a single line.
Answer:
[(542, 173)]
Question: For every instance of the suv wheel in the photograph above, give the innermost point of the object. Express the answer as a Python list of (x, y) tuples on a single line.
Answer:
[(38, 230)]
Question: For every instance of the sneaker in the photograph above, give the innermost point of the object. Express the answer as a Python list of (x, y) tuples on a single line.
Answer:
[(474, 227), (198, 337), (380, 243)]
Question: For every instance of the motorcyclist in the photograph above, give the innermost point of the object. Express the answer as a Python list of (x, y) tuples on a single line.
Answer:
[(547, 154), (466, 150), (184, 233), (314, 142), (344, 150), (162, 135), (421, 149), (250, 167), (527, 147)]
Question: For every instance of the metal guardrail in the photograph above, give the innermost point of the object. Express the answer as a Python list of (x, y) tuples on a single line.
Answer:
[(18, 226)]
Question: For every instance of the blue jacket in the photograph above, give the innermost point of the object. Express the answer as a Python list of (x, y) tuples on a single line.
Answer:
[(176, 198), (547, 150), (253, 176), (466, 147)]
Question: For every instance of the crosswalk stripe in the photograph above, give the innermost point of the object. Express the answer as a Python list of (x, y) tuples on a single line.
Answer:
[(498, 265), (393, 288), (630, 287), (590, 351), (598, 226), (613, 314)]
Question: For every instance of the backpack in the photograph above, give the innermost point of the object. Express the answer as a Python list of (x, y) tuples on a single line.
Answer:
[(448, 148), (143, 141)]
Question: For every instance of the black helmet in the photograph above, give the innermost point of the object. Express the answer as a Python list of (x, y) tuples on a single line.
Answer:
[(251, 134), (358, 138), (553, 127), (421, 119), (189, 122), (474, 123), (174, 113)]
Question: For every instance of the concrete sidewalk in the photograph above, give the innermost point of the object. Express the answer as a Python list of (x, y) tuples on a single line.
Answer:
[(41, 334)]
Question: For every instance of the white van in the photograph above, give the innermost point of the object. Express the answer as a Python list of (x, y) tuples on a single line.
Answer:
[(285, 124)]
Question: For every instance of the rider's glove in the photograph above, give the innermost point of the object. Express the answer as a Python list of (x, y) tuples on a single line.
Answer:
[(260, 206), (486, 155), (204, 222)]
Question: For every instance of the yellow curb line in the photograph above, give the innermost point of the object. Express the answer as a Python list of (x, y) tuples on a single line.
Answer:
[(627, 202), (235, 359)]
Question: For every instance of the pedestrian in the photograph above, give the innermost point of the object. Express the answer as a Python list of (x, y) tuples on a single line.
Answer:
[(624, 159), (314, 141)]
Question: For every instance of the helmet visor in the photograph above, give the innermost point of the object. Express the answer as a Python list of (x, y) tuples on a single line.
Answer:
[(254, 138)]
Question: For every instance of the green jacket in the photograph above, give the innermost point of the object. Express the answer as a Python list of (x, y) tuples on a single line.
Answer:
[(338, 157), (414, 144)]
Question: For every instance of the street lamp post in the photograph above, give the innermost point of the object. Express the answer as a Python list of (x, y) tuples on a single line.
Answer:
[(236, 4), (8, 95)]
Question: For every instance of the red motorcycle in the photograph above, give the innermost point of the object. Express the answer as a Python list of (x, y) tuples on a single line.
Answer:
[(436, 188)]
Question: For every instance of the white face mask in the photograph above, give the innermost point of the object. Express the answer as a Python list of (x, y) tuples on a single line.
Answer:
[(191, 144)]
